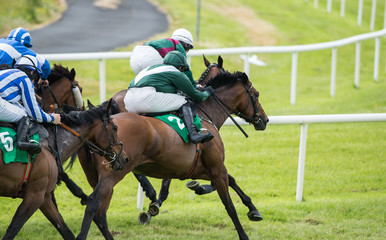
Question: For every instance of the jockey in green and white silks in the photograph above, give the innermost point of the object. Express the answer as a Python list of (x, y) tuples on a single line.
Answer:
[(153, 52), (154, 89)]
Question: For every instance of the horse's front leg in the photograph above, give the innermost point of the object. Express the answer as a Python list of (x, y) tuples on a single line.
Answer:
[(28, 206), (220, 182), (253, 214), (101, 193), (51, 212)]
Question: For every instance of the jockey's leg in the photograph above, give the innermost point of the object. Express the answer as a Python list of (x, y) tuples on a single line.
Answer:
[(23, 141), (188, 111)]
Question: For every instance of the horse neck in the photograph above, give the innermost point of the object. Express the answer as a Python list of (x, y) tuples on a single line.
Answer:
[(68, 143), (212, 110)]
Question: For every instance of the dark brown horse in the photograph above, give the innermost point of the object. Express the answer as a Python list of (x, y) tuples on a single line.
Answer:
[(62, 90), (156, 150), (94, 126)]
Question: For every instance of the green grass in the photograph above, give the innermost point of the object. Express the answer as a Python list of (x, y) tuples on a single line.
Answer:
[(344, 185)]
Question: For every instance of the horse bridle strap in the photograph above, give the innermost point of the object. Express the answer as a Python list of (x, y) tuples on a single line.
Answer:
[(95, 148), (230, 116)]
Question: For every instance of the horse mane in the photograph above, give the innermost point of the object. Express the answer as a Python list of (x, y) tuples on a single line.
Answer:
[(227, 78), (58, 72), (79, 118)]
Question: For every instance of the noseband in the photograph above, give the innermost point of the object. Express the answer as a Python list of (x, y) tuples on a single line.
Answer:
[(108, 153)]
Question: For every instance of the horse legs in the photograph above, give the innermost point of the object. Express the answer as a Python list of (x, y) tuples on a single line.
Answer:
[(164, 191), (50, 210), (28, 206), (97, 203), (221, 183), (253, 213)]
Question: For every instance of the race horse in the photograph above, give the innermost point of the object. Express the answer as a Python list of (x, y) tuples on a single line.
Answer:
[(92, 173), (156, 150), (36, 188)]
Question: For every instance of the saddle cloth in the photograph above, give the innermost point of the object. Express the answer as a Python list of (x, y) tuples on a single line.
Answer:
[(178, 125), (8, 143)]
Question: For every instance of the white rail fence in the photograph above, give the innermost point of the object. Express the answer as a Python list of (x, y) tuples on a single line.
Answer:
[(360, 11), (304, 121), (245, 52)]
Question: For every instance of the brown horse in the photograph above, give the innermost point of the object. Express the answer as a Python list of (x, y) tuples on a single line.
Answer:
[(95, 127), (92, 174), (156, 150), (63, 90)]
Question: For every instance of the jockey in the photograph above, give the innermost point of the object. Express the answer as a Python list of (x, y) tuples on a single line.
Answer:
[(16, 85), (16, 45), (153, 52), (154, 89)]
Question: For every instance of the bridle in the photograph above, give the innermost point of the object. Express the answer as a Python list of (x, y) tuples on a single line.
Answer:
[(76, 93), (253, 120), (206, 72)]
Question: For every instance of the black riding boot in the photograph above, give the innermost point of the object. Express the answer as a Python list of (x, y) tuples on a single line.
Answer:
[(187, 116), (23, 141)]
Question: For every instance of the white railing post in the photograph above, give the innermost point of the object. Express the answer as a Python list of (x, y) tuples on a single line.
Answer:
[(329, 3), (333, 72), (342, 8), (373, 10), (360, 11), (246, 64), (302, 161), (376, 58), (102, 80), (357, 63), (293, 77), (315, 3)]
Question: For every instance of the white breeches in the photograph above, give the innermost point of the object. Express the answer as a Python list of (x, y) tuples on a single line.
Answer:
[(147, 100), (143, 57), (10, 113)]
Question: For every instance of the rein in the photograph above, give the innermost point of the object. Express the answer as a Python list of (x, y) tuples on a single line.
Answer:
[(108, 153), (256, 109)]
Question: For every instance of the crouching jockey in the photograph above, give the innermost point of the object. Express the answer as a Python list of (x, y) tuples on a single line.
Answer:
[(18, 102), (155, 88)]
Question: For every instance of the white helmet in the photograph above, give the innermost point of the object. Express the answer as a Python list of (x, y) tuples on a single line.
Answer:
[(184, 36)]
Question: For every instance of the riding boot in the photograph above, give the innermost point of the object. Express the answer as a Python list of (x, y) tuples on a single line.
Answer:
[(23, 141), (187, 116)]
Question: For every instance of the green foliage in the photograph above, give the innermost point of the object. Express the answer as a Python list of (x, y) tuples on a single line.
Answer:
[(26, 13), (344, 186)]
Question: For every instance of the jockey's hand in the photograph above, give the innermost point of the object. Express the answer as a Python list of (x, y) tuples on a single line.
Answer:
[(43, 82), (210, 90), (199, 86), (56, 118)]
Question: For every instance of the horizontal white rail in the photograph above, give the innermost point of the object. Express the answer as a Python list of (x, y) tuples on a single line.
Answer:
[(304, 120), (246, 51)]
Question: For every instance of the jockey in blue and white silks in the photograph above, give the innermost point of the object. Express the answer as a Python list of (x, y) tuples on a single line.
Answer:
[(16, 87), (17, 45)]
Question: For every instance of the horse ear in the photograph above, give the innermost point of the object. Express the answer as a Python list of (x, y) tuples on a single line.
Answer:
[(219, 61), (90, 105), (72, 74), (207, 63)]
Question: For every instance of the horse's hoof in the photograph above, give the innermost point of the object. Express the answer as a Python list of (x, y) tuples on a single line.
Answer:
[(255, 216), (144, 218), (193, 185), (154, 209)]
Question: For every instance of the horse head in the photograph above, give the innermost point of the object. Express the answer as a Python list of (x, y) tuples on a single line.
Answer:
[(97, 126), (237, 94), (63, 89)]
